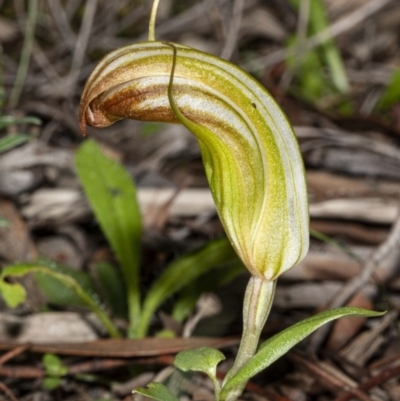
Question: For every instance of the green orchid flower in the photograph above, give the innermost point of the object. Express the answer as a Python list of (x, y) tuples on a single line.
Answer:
[(250, 153)]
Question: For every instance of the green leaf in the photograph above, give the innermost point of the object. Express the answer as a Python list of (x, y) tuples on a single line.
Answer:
[(53, 365), (6, 121), (11, 141), (60, 294), (112, 196), (14, 296), (318, 21), (391, 95), (165, 334), (156, 391), (204, 359), (51, 383), (112, 287), (279, 344), (312, 83), (182, 272)]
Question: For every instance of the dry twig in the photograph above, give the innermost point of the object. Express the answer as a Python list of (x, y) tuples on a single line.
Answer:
[(13, 353), (343, 25), (329, 377), (8, 392), (355, 284), (234, 29)]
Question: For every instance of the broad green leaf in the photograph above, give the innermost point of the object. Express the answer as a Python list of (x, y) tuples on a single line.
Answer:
[(391, 95), (11, 141), (251, 156), (204, 359), (112, 287), (182, 272), (112, 195), (281, 343), (13, 293), (209, 282), (51, 383), (156, 391), (57, 292), (6, 121), (89, 299)]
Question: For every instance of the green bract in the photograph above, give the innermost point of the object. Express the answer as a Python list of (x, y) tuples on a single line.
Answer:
[(252, 160)]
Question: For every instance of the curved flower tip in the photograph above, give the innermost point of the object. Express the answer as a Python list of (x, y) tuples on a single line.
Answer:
[(251, 156)]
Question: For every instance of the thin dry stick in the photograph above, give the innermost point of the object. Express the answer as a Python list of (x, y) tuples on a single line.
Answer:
[(182, 21), (82, 42), (373, 382), (215, 15), (13, 353), (43, 62), (234, 29), (61, 21), (8, 392), (336, 29), (97, 365), (329, 377), (377, 258), (356, 284)]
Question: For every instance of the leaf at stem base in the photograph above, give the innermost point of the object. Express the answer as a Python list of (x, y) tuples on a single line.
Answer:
[(204, 359), (156, 391), (281, 343)]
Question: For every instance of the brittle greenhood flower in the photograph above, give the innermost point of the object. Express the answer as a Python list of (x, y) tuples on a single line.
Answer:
[(250, 153)]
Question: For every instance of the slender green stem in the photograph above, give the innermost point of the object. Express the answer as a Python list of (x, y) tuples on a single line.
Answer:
[(107, 323), (133, 300), (148, 310), (152, 24), (217, 387), (256, 307), (26, 53)]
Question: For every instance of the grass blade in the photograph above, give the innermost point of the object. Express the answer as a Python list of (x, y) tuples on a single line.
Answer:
[(182, 272)]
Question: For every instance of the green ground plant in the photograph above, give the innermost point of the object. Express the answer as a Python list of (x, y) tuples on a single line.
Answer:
[(55, 370), (391, 94), (318, 73), (254, 169), (112, 195), (257, 178)]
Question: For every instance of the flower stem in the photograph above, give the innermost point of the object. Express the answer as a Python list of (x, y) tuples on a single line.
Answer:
[(152, 34), (256, 306)]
